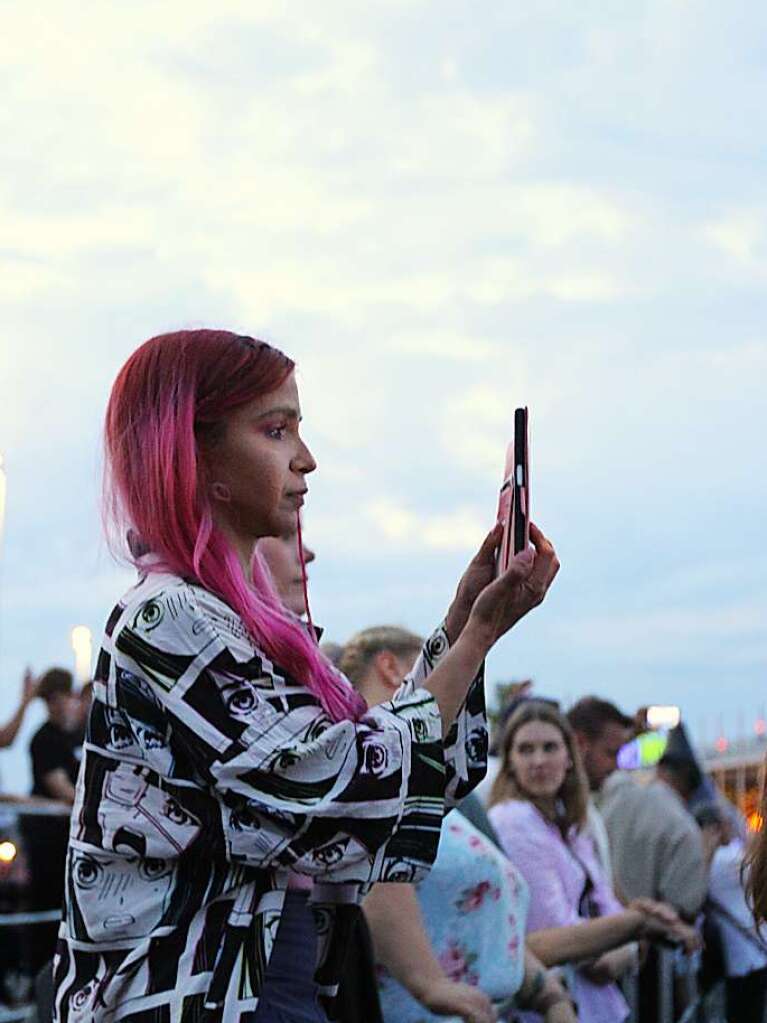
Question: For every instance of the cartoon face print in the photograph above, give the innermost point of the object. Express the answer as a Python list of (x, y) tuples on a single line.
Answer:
[(115, 896), (119, 735), (149, 616), (251, 831), (374, 757), (476, 746), (331, 854), (419, 729), (84, 1001), (142, 718), (136, 816), (399, 871), (240, 698)]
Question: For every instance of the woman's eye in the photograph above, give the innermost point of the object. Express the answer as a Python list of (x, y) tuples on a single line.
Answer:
[(276, 432)]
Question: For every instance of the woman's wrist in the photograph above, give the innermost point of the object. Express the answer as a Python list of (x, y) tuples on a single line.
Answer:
[(552, 993), (477, 638), (638, 924)]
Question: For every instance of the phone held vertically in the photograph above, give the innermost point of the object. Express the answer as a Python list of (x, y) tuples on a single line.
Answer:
[(514, 500)]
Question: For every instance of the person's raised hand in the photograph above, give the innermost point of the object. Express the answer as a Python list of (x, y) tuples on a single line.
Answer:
[(479, 573), (445, 997), (512, 595), (28, 686)]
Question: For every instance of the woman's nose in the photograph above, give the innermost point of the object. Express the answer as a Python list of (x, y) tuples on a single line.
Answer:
[(309, 555), (304, 460)]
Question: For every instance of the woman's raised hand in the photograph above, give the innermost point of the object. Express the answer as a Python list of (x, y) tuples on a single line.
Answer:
[(523, 586)]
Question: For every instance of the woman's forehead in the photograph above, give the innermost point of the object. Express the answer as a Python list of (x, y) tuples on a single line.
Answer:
[(538, 731)]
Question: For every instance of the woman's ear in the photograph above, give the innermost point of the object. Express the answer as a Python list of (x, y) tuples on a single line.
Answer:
[(388, 668)]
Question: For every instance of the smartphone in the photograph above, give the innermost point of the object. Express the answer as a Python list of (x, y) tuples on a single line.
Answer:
[(514, 499)]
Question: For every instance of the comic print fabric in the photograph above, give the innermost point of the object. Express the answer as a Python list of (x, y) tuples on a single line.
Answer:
[(209, 776)]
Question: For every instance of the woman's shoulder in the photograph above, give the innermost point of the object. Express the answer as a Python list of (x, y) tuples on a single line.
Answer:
[(167, 610), (514, 811)]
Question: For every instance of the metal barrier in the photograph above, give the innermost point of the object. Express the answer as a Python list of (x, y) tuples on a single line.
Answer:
[(676, 975), (699, 1009), (33, 838)]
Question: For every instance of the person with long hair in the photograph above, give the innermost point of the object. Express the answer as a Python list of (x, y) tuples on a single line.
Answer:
[(538, 807), (226, 759)]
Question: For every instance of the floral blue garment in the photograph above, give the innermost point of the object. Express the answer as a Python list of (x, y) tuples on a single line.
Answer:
[(474, 903)]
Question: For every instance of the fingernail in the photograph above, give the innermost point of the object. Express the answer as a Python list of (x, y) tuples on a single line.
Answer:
[(526, 556)]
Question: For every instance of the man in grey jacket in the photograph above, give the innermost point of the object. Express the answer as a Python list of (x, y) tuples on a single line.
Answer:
[(657, 848)]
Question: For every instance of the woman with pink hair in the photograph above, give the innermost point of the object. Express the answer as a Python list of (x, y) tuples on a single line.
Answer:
[(236, 795)]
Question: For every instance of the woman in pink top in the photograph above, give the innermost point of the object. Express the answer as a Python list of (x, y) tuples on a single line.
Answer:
[(538, 808)]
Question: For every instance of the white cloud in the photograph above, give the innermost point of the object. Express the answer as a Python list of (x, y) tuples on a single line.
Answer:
[(458, 530), (740, 236)]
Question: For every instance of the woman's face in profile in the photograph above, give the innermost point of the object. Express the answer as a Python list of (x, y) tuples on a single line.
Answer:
[(539, 759), (256, 467), (281, 555)]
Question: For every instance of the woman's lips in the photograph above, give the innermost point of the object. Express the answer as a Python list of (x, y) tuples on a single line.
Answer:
[(296, 498)]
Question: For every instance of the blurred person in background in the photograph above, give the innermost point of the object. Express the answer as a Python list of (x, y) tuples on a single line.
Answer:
[(673, 866), (730, 927), (454, 944), (55, 753), (357, 1000), (538, 808), (54, 746), (657, 849), (600, 731), (10, 729), (82, 708)]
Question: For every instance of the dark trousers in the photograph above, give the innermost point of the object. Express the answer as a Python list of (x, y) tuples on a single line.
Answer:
[(289, 994), (746, 997)]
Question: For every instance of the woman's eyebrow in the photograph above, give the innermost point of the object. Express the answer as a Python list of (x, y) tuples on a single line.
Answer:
[(282, 410)]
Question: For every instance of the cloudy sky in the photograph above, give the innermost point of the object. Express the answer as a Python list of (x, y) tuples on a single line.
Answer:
[(441, 210)]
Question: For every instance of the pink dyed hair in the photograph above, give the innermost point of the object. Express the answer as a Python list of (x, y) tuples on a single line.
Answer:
[(174, 388)]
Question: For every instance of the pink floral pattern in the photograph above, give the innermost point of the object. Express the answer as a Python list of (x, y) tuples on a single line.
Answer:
[(474, 907), (457, 962)]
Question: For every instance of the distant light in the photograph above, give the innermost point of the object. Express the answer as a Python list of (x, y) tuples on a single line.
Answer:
[(7, 852), (755, 821), (663, 717), (721, 744), (760, 727), (82, 644)]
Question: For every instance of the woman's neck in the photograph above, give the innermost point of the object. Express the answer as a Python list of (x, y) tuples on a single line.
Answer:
[(547, 806)]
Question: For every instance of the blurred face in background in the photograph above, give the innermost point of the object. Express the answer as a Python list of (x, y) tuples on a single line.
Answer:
[(281, 555), (600, 755), (539, 759)]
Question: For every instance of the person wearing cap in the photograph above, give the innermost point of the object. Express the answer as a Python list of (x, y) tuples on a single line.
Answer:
[(672, 866)]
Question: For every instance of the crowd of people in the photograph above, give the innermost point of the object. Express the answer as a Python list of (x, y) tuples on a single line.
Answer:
[(272, 830)]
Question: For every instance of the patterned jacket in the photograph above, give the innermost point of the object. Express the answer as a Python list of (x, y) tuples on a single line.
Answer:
[(209, 776)]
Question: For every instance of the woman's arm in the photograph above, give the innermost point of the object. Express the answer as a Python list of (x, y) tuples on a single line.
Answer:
[(10, 729), (402, 945), (585, 940), (543, 992)]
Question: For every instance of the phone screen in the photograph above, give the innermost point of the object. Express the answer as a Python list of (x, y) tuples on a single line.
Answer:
[(521, 508), (514, 499)]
